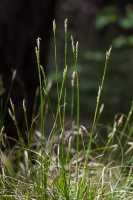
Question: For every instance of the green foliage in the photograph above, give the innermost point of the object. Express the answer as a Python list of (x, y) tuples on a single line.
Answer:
[(112, 16), (127, 21), (123, 41), (108, 15)]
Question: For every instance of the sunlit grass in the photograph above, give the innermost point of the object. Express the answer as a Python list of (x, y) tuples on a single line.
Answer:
[(75, 163)]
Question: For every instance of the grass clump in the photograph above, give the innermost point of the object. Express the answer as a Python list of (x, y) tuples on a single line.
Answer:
[(69, 163)]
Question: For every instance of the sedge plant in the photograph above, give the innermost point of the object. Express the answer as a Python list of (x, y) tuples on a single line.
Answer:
[(68, 163)]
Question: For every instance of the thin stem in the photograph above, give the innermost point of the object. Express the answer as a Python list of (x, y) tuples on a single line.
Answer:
[(8, 97), (55, 58), (40, 82), (96, 113), (98, 98)]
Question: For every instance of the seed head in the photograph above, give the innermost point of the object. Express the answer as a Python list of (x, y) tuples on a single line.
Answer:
[(99, 93), (54, 26), (38, 43), (14, 74), (12, 105), (77, 44), (65, 25), (73, 47), (101, 108), (108, 53), (11, 115), (64, 72), (120, 121), (24, 107), (73, 78)]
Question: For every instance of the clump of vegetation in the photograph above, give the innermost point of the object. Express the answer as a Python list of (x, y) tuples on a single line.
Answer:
[(75, 163)]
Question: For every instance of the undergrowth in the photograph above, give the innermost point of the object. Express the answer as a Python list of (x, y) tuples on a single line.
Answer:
[(76, 163)]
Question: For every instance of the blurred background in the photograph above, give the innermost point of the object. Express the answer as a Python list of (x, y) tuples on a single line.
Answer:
[(97, 24)]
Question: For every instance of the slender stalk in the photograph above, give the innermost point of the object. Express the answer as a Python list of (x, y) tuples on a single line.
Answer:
[(72, 96), (55, 58), (13, 116), (98, 99), (75, 53), (127, 122), (95, 115), (65, 27), (25, 115), (37, 49), (8, 97)]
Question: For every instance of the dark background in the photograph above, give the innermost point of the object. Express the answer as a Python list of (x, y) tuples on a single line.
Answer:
[(96, 24)]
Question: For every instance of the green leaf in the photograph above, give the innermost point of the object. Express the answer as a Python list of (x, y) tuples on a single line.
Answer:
[(127, 22), (120, 41)]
